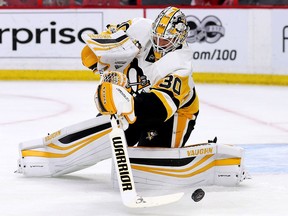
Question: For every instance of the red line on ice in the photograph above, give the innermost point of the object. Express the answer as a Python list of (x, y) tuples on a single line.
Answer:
[(245, 116), (66, 108)]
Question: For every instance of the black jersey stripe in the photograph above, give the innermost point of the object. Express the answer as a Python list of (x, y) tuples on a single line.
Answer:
[(189, 129), (191, 100), (171, 95)]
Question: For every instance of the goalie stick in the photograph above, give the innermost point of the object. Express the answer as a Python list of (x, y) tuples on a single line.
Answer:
[(129, 196)]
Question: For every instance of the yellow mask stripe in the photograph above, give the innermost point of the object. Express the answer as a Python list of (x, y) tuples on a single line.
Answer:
[(164, 21)]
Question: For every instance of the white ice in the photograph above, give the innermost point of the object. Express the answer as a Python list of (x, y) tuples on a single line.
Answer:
[(254, 117)]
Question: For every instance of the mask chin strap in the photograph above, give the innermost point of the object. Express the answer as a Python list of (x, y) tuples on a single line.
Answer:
[(163, 52), (157, 55), (160, 52)]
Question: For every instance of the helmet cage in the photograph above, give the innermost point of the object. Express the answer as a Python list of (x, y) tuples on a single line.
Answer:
[(169, 31)]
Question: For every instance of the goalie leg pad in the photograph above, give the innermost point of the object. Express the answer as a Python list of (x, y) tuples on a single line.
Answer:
[(68, 150), (192, 166)]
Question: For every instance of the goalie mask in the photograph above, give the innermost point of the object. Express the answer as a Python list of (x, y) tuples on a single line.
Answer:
[(169, 31)]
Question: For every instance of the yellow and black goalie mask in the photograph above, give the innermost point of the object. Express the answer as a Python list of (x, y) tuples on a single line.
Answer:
[(169, 31)]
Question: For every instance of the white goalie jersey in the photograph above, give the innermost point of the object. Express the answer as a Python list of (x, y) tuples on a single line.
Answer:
[(169, 79)]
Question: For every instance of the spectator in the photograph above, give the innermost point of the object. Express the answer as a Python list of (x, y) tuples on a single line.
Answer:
[(212, 2), (3, 3)]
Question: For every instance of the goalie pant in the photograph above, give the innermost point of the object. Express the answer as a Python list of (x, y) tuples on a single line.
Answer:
[(82, 145)]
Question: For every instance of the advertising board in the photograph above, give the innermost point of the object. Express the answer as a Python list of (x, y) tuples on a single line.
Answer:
[(279, 42), (249, 42), (51, 39), (219, 43)]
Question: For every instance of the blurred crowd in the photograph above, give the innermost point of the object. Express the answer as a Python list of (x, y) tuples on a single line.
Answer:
[(67, 3)]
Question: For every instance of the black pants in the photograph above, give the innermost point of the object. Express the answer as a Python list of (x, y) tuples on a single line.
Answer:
[(158, 135)]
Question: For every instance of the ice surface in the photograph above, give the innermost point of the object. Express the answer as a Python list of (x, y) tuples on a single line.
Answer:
[(254, 117)]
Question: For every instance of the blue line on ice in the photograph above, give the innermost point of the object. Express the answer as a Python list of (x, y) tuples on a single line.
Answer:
[(266, 158)]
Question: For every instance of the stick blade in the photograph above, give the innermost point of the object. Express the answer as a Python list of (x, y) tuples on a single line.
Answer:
[(146, 202)]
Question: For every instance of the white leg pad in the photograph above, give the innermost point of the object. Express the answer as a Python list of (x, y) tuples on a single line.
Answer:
[(191, 166), (68, 150)]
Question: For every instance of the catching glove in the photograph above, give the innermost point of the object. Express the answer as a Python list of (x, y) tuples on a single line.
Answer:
[(114, 51)]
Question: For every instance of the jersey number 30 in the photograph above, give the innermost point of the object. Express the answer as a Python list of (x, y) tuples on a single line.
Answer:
[(172, 83)]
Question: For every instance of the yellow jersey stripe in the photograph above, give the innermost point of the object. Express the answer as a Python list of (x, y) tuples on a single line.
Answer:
[(167, 102), (181, 128)]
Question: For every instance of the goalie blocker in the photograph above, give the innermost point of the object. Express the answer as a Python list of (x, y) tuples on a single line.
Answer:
[(82, 145)]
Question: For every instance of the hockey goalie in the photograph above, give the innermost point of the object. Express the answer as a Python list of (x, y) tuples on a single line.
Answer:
[(146, 79)]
